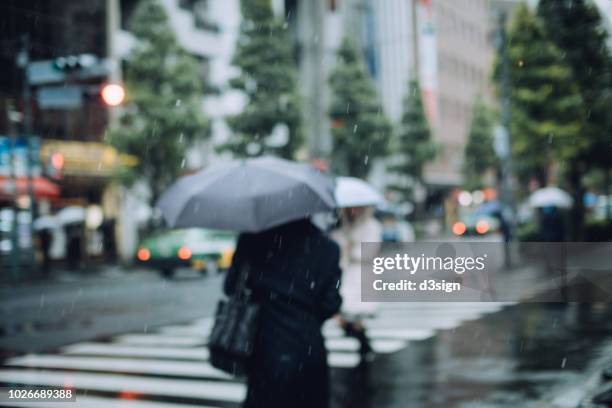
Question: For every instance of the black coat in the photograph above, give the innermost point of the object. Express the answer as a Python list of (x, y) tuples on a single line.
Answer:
[(295, 277)]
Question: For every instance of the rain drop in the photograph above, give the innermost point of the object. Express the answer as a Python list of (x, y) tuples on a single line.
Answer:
[(563, 362), (183, 162), (365, 161), (178, 103), (355, 129)]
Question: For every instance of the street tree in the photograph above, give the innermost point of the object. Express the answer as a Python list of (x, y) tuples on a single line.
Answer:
[(576, 27), (163, 115), (546, 106), (412, 144), (360, 130), (479, 154), (270, 120)]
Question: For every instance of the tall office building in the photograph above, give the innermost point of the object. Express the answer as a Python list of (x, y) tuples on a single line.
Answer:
[(463, 61)]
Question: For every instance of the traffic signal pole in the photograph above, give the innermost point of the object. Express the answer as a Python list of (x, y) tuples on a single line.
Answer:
[(15, 249), (27, 123), (26, 91), (506, 193)]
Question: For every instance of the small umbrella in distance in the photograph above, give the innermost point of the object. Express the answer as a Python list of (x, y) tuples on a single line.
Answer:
[(354, 192), (248, 195), (46, 222), (550, 197), (71, 215)]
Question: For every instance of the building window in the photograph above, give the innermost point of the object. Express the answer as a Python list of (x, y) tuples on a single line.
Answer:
[(201, 15), (187, 4)]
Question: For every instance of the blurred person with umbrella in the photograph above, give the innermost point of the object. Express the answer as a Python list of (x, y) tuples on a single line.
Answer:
[(43, 226), (356, 199), (550, 201), (73, 219), (292, 268)]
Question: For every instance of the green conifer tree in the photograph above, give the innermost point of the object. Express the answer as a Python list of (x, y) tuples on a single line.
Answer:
[(268, 78), (576, 27), (163, 115), (360, 130), (479, 154), (546, 106), (413, 143)]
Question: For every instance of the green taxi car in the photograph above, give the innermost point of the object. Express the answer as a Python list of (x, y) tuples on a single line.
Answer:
[(200, 249)]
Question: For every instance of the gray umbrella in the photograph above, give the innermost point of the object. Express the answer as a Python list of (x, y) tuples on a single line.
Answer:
[(247, 195)]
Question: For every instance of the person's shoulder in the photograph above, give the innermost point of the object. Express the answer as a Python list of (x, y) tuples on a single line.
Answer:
[(329, 244)]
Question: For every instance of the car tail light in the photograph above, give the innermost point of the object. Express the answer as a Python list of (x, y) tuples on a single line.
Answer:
[(482, 227), (143, 254), (459, 228), (184, 253)]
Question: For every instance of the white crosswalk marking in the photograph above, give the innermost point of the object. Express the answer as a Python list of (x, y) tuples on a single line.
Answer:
[(98, 402), (169, 368)]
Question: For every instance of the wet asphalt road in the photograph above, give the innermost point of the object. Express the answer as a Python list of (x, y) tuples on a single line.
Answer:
[(530, 355), (525, 355)]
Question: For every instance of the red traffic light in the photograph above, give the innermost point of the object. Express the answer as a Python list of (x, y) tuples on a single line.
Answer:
[(57, 161), (112, 94)]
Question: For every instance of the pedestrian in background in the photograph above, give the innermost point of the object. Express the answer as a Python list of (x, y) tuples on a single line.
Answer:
[(74, 243), (357, 225), (45, 238), (294, 276)]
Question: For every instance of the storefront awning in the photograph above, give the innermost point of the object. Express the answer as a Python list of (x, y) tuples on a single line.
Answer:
[(42, 187), (86, 159)]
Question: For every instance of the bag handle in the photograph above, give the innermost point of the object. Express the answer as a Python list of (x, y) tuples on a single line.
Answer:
[(242, 289)]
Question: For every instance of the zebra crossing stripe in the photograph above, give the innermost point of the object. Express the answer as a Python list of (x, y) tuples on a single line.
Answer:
[(119, 350), (167, 387), (343, 360), (185, 369), (347, 344), (446, 307), (196, 368), (85, 401), (161, 340)]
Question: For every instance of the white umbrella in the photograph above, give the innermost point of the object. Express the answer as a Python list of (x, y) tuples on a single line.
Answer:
[(72, 215), (46, 222), (354, 192), (551, 197)]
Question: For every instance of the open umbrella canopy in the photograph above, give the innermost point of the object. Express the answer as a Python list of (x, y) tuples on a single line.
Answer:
[(46, 222), (248, 195), (550, 197), (354, 192), (71, 215)]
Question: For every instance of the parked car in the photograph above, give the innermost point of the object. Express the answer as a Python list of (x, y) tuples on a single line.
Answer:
[(200, 249), (476, 223)]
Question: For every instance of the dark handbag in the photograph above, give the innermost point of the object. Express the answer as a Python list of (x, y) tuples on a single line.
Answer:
[(232, 338)]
